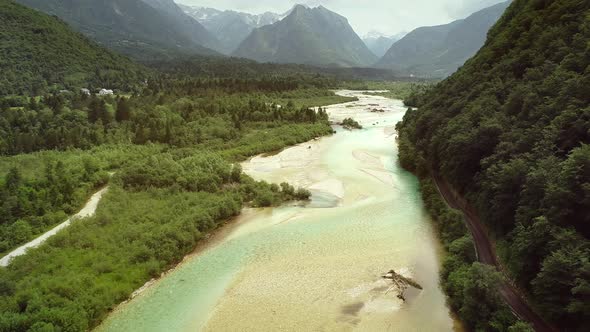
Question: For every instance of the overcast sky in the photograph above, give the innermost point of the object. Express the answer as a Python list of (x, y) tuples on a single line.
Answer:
[(386, 16)]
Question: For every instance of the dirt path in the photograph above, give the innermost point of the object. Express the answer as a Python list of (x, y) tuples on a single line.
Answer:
[(486, 254), (88, 210)]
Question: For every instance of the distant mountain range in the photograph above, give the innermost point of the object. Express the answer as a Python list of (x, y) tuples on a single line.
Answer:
[(161, 29), (41, 52), (379, 43), (439, 50), (230, 27), (315, 36), (143, 29)]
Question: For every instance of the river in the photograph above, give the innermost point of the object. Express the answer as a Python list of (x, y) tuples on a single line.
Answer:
[(313, 267)]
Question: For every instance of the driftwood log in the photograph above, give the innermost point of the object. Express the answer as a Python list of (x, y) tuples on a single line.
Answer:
[(401, 282)]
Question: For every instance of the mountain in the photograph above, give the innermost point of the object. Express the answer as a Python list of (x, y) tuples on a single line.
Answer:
[(230, 27), (313, 36), (510, 132), (143, 29), (38, 51), (379, 43), (439, 50), (198, 33)]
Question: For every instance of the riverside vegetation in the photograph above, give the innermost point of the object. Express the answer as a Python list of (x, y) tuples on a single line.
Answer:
[(390, 89), (173, 149), (350, 124), (510, 132)]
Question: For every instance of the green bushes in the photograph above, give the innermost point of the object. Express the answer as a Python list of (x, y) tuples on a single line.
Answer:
[(32, 204), (155, 212), (173, 150), (262, 194), (350, 123), (72, 281), (177, 183), (202, 172)]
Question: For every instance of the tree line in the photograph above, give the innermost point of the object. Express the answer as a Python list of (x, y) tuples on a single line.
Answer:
[(179, 114)]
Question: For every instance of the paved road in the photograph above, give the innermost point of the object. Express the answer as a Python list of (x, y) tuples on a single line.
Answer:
[(486, 254), (88, 210)]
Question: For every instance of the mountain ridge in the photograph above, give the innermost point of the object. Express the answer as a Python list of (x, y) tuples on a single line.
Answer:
[(380, 43), (143, 29), (40, 52), (438, 51), (230, 27), (315, 36)]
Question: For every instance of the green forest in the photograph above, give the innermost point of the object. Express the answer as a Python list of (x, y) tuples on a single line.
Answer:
[(167, 145), (510, 131), (41, 53), (471, 287), (169, 155), (157, 208)]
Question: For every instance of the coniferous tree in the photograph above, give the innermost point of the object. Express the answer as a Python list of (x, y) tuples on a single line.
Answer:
[(123, 110)]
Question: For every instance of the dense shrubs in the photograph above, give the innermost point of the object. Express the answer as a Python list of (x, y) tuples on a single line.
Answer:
[(202, 172), (31, 205), (155, 212), (81, 273), (350, 123), (174, 152)]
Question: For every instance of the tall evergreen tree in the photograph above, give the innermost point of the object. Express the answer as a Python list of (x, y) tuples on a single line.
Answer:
[(123, 110)]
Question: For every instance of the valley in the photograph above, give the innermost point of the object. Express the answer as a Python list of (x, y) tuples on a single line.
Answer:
[(316, 265), (229, 165)]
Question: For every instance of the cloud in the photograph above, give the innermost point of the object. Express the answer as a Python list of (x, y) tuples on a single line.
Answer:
[(386, 16)]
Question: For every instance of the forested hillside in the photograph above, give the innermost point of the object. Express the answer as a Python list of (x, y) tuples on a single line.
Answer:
[(238, 68), (142, 29), (511, 132), (438, 51), (40, 52)]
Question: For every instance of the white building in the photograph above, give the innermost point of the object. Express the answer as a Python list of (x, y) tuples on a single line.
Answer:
[(105, 92)]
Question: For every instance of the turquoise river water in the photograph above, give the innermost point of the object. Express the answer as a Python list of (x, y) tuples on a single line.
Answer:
[(315, 267)]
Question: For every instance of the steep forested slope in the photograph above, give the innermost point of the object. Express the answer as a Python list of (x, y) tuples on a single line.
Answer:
[(314, 36), (37, 51), (439, 50), (510, 131), (143, 29)]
